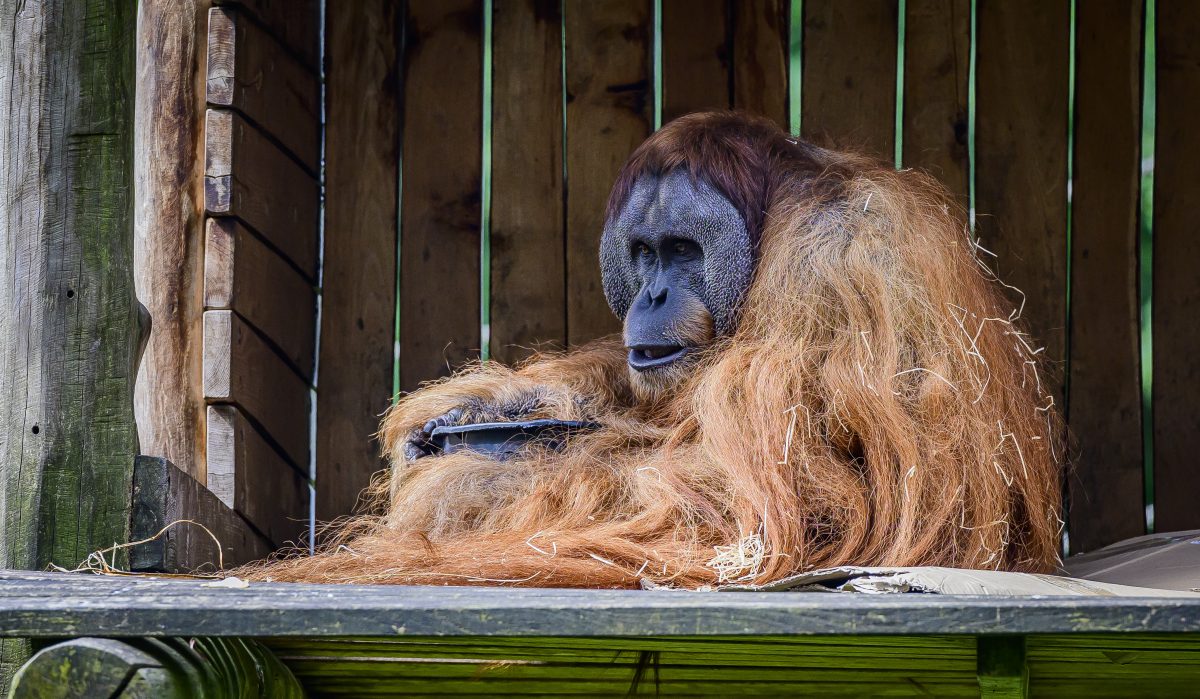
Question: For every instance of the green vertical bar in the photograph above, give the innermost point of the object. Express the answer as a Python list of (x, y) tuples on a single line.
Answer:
[(656, 67), (485, 214), (795, 64), (402, 20), (1066, 409), (1146, 258), (900, 33)]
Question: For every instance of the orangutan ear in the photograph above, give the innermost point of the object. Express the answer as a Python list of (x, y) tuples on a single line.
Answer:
[(678, 205)]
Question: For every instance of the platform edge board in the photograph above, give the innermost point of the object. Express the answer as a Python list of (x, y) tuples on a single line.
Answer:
[(46, 604)]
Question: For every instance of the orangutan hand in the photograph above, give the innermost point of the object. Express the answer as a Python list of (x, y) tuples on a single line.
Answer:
[(474, 411), (419, 442)]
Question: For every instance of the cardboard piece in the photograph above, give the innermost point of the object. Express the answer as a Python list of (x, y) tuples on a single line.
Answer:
[(1156, 565), (950, 581)]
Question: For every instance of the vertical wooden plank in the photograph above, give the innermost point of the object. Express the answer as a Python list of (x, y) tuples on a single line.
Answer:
[(849, 96), (69, 330), (1176, 281), (760, 58), (696, 58), (440, 206), (1021, 161), (937, 57), (609, 112), (168, 243), (528, 276), (1105, 403), (359, 292)]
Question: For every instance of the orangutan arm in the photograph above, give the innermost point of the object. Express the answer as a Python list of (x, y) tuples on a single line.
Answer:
[(579, 385)]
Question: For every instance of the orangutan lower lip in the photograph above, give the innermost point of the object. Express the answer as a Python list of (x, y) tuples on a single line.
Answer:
[(645, 357)]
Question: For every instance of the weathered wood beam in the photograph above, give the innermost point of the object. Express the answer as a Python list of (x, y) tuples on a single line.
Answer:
[(69, 331), (44, 604), (168, 249), (165, 497)]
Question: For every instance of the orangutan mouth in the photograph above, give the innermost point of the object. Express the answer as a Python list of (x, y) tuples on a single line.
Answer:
[(647, 357)]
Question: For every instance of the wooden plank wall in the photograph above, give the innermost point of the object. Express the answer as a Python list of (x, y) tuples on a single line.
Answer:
[(849, 93), (572, 95), (262, 158), (1176, 281), (528, 261), (1105, 410), (362, 170)]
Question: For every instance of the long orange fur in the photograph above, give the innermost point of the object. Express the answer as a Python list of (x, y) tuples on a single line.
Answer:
[(878, 404)]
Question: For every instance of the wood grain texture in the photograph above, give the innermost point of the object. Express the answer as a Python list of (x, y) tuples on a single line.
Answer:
[(252, 477), (1021, 163), (528, 307), (696, 56), (250, 72), (168, 252), (1176, 282), (248, 176), (240, 368), (609, 112), (849, 95), (42, 604), (439, 276), (69, 330), (937, 49), (359, 294), (760, 58), (162, 495), (1105, 403), (244, 275), (296, 23)]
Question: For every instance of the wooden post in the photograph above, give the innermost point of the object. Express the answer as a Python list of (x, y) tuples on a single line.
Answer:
[(1001, 667), (168, 244), (69, 330)]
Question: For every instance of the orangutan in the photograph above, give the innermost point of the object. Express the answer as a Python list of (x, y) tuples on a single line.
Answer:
[(817, 369)]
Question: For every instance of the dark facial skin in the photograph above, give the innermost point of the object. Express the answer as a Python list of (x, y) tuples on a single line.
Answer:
[(676, 263), (661, 325)]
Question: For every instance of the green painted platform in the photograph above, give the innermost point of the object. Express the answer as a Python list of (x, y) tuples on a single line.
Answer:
[(439, 641)]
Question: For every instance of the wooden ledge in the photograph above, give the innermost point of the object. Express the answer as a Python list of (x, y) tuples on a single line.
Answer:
[(53, 604)]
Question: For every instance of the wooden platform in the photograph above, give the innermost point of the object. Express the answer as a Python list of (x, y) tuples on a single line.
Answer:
[(379, 640)]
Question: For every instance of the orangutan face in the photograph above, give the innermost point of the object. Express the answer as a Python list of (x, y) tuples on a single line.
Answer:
[(676, 263)]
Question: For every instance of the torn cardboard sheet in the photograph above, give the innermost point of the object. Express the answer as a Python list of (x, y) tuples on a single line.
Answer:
[(946, 581)]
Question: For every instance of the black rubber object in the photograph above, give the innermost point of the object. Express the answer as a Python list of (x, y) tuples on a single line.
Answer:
[(503, 439)]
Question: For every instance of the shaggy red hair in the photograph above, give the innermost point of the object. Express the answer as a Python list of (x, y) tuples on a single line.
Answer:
[(878, 404)]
